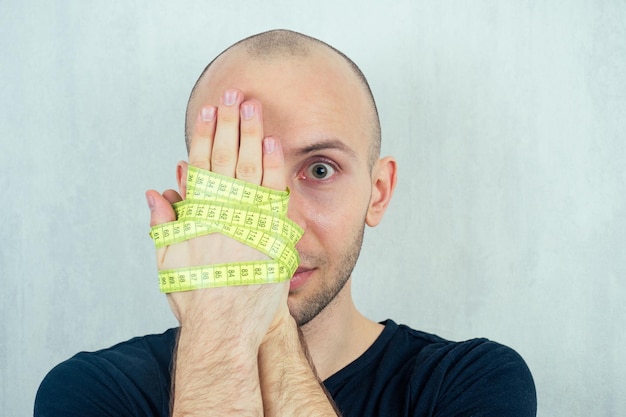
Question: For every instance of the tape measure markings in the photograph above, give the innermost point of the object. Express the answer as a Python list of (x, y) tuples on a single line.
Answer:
[(232, 214), (222, 275), (207, 184), (251, 214)]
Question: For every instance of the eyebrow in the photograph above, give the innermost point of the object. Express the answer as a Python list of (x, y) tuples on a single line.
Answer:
[(324, 145)]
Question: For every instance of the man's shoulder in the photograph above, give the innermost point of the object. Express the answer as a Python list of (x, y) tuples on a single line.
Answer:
[(133, 374), (475, 374), (138, 353), (429, 347), (414, 370), (478, 364), (156, 345)]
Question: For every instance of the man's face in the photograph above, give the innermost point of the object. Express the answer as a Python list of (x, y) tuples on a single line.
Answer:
[(318, 110)]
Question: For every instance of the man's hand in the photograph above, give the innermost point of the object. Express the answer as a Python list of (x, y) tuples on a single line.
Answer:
[(239, 351), (227, 140), (222, 328)]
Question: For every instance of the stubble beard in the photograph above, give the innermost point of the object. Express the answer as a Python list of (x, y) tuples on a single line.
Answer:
[(316, 303)]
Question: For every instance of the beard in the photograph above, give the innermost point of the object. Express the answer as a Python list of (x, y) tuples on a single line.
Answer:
[(311, 307)]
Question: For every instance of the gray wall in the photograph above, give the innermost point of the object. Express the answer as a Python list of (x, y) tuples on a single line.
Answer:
[(507, 119)]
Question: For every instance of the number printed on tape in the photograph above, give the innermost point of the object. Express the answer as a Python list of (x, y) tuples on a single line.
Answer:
[(251, 214)]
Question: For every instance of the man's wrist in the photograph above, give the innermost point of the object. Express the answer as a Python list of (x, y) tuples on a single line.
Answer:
[(229, 340), (226, 367), (285, 333)]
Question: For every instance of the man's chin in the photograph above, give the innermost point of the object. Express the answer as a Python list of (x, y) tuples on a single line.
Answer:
[(298, 309)]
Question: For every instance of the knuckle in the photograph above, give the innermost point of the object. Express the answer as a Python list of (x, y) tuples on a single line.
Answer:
[(250, 129), (197, 162), (229, 118), (221, 157), (247, 170)]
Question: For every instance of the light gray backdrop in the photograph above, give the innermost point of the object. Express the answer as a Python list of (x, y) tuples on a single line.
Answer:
[(507, 119)]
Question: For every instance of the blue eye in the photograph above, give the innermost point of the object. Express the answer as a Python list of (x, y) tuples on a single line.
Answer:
[(320, 171)]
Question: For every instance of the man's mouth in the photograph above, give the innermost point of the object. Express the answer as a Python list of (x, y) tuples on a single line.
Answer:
[(300, 277)]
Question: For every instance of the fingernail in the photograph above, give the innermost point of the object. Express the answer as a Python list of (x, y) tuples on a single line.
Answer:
[(150, 201), (247, 111), (208, 114), (269, 144), (230, 97)]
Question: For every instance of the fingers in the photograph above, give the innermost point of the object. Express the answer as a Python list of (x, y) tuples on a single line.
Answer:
[(172, 196), (161, 210), (229, 140), (202, 138), (226, 143), (273, 164), (251, 136)]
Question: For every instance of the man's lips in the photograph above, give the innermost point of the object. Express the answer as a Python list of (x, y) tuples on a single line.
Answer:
[(300, 277)]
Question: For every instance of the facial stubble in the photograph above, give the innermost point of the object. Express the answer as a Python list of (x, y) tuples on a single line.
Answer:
[(329, 289)]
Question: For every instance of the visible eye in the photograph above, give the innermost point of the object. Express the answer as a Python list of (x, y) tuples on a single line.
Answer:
[(320, 171)]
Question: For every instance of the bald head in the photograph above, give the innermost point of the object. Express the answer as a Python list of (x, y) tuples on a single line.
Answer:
[(284, 45)]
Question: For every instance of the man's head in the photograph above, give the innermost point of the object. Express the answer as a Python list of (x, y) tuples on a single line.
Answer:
[(285, 44), (318, 104)]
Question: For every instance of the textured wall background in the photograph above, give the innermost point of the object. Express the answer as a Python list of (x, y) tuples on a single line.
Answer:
[(507, 119)]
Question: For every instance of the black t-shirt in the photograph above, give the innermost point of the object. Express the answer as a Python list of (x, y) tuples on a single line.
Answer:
[(404, 373)]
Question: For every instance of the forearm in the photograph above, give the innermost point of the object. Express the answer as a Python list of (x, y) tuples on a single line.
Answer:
[(289, 385), (215, 376)]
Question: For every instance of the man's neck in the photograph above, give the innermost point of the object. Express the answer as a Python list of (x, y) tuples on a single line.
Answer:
[(339, 334)]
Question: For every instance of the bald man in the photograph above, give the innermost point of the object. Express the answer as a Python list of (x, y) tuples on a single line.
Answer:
[(283, 110)]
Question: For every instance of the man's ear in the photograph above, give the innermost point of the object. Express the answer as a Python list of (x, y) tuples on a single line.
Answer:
[(383, 184), (181, 178)]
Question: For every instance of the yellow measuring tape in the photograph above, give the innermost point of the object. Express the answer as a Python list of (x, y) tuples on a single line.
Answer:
[(251, 214)]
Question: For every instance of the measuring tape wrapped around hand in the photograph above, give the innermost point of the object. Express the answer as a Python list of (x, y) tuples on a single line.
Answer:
[(255, 216)]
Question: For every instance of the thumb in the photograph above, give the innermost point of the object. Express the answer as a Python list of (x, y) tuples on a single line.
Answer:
[(161, 210)]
